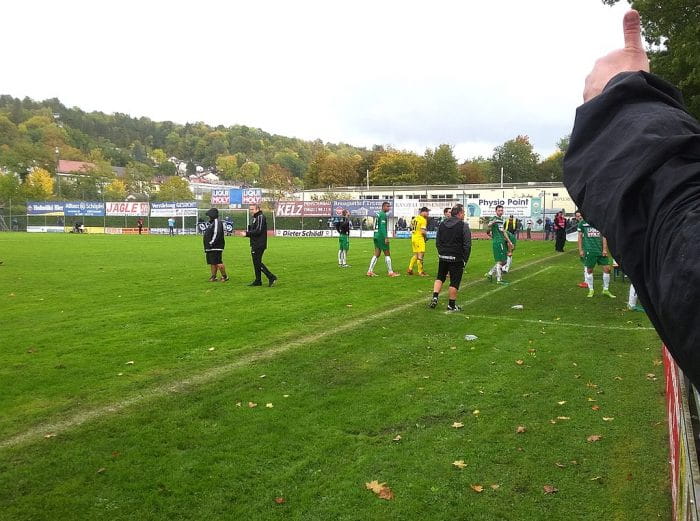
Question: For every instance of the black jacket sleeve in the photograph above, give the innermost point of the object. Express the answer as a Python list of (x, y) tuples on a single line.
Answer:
[(466, 242), (633, 167), (257, 226)]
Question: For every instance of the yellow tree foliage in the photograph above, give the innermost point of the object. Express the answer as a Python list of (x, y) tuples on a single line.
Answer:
[(38, 185), (115, 191)]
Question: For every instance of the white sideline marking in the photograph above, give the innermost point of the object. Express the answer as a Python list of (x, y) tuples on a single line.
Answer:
[(559, 323), (209, 375)]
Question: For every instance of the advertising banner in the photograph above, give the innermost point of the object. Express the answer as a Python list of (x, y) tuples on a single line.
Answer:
[(45, 229), (219, 197), (174, 209), (407, 208), (358, 207), (303, 233), (252, 196), (84, 209), (45, 208), (517, 207), (135, 209), (303, 209)]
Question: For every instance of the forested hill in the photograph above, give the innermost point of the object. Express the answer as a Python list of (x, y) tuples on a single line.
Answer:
[(34, 134)]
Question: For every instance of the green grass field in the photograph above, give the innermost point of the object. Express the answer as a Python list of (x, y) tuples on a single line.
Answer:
[(355, 380)]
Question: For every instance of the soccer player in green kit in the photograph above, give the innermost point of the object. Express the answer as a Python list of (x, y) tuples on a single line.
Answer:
[(501, 245), (593, 249), (381, 242)]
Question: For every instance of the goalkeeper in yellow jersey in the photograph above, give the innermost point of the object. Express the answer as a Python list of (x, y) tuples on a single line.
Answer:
[(419, 234)]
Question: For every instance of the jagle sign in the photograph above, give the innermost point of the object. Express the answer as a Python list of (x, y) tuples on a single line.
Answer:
[(127, 208)]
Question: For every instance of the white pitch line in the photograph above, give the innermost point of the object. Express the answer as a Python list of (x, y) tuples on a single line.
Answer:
[(39, 431), (559, 323)]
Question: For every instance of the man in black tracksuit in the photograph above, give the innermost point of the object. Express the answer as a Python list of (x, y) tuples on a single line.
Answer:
[(214, 245), (257, 231), (633, 167), (454, 245)]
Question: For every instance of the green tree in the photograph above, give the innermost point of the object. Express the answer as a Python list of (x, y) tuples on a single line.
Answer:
[(672, 29), (278, 181), (175, 189), (552, 168), (10, 187), (249, 172), (227, 166), (439, 166), (396, 168), (158, 156), (518, 160), (139, 178)]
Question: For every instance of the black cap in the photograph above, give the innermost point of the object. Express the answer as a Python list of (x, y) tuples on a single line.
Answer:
[(213, 213)]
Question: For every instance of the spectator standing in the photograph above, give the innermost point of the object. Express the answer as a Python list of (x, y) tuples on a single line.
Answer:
[(559, 232), (257, 232)]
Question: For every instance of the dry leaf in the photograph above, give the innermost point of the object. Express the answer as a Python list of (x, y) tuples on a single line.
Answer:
[(520, 429), (549, 489), (120, 374), (651, 376), (596, 407), (101, 470), (593, 437), (374, 486), (591, 385), (476, 412), (477, 488), (562, 402), (531, 350), (608, 418), (211, 348), (560, 465), (657, 362), (285, 396), (596, 478), (238, 404), (519, 362), (591, 399), (251, 404), (553, 422), (459, 464), (380, 489), (279, 500), (398, 438), (269, 405), (617, 378), (130, 362), (563, 418), (386, 493), (495, 486), (263, 376), (50, 435), (115, 454), (457, 425)]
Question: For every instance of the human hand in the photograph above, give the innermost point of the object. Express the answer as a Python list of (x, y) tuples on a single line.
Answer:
[(386, 241), (631, 57)]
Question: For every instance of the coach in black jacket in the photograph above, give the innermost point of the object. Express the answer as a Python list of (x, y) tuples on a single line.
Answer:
[(214, 245), (454, 246), (257, 232), (633, 167)]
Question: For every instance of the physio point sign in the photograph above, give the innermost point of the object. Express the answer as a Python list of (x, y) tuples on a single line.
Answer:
[(137, 209), (517, 207)]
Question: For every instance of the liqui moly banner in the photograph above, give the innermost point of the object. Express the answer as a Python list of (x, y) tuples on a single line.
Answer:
[(174, 209), (84, 209), (136, 209), (251, 196), (220, 197), (45, 208), (236, 197), (358, 207), (303, 209)]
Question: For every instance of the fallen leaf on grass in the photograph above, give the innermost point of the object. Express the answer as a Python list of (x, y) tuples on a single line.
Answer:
[(349, 305), (657, 362), (251, 404), (101, 470), (563, 418), (495, 486), (651, 376), (596, 407), (50, 435), (617, 378), (116, 454), (120, 374), (562, 402), (593, 437), (382, 491), (279, 500), (597, 478), (549, 489), (477, 488), (457, 425), (591, 399), (269, 405), (459, 464), (560, 465), (130, 362), (212, 348), (397, 438), (531, 350), (591, 385), (238, 404), (519, 362), (285, 396), (476, 412), (521, 429), (608, 418), (553, 422)]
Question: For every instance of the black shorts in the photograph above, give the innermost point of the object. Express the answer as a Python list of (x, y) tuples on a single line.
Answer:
[(214, 257), (455, 269)]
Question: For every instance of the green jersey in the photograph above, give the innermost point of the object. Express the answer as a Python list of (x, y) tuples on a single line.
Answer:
[(496, 228), (591, 239), (380, 225)]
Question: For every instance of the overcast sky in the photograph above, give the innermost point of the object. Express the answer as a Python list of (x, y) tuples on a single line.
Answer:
[(403, 73)]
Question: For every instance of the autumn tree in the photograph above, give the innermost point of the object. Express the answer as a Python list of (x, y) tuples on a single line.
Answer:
[(396, 168), (38, 185), (439, 166), (249, 172), (279, 181), (115, 190), (474, 171), (227, 166), (175, 189)]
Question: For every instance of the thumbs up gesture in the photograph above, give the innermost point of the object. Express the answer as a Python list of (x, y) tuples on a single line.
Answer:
[(631, 57)]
